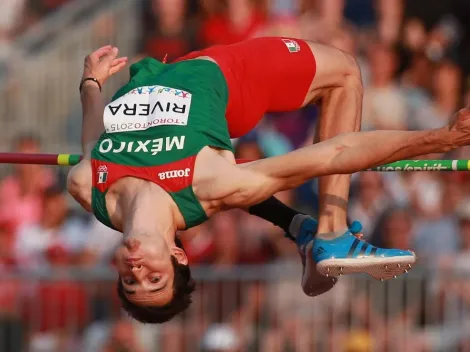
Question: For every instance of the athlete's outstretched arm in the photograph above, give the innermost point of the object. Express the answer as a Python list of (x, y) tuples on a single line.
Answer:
[(347, 153)]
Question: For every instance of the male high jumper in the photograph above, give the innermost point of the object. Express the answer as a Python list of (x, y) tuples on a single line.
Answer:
[(158, 159)]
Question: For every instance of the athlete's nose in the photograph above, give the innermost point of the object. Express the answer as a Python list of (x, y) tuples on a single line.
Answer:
[(136, 268), (139, 272)]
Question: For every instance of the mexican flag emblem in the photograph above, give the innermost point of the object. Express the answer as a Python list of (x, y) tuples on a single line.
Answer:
[(292, 45), (102, 174)]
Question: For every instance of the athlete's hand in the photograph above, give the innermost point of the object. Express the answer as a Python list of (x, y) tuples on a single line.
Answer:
[(103, 63), (461, 120), (460, 123)]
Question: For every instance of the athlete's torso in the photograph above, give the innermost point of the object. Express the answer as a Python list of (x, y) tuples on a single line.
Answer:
[(156, 125)]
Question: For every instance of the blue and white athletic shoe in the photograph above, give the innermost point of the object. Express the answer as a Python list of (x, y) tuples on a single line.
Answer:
[(329, 259), (348, 254)]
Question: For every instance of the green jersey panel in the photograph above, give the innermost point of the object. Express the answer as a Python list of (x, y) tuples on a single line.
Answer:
[(165, 113)]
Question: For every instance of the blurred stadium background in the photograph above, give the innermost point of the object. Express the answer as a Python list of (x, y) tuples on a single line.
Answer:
[(56, 279)]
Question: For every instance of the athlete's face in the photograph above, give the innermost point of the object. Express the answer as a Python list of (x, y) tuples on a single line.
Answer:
[(144, 265)]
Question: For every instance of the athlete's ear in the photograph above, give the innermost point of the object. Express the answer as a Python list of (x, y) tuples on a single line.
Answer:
[(180, 255)]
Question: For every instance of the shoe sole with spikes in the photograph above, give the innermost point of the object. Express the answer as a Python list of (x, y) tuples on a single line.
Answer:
[(380, 268)]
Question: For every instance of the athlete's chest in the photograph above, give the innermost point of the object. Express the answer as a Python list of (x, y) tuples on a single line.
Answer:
[(149, 106), (130, 195)]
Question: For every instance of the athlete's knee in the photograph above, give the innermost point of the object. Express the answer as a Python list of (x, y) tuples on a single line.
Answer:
[(78, 183), (335, 67), (352, 77), (73, 184)]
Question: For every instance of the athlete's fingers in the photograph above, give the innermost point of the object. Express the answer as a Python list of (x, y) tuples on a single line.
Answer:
[(117, 64), (110, 55), (116, 68), (118, 61), (97, 54)]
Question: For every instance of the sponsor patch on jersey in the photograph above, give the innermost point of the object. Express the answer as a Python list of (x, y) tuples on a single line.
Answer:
[(292, 45), (174, 174), (147, 107)]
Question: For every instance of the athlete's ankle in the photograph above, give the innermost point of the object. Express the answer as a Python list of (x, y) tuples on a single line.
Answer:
[(331, 235), (327, 224)]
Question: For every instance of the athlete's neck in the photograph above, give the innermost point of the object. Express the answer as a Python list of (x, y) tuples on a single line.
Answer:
[(146, 209)]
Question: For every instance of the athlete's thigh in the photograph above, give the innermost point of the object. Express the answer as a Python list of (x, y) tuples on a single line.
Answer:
[(263, 75), (284, 74)]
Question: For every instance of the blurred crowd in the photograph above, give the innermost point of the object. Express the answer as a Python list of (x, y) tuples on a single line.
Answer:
[(17, 16), (415, 60)]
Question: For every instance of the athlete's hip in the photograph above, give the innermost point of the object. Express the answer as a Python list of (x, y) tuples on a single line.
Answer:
[(268, 74)]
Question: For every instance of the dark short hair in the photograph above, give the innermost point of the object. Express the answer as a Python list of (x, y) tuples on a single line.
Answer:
[(183, 286)]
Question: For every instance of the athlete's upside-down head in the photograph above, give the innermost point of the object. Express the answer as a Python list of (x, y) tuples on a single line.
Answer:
[(151, 288)]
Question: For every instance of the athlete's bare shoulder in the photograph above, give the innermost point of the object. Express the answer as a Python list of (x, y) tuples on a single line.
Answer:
[(218, 182)]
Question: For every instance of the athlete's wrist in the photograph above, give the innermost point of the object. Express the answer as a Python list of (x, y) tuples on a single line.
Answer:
[(446, 138), (89, 82)]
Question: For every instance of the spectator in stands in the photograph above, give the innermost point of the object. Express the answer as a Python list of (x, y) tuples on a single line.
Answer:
[(460, 261), (402, 297), (55, 240), (437, 233), (370, 202), (38, 9), (220, 338), (225, 237), (394, 228), (10, 17), (169, 31), (453, 300), (384, 101), (446, 89), (54, 312), (198, 243), (7, 258), (240, 20), (123, 337), (12, 328), (21, 192)]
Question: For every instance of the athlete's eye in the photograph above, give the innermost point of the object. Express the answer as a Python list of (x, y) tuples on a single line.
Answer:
[(129, 282), (154, 280)]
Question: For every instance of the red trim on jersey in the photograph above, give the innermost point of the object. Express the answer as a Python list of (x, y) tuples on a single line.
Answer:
[(172, 177), (243, 161)]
